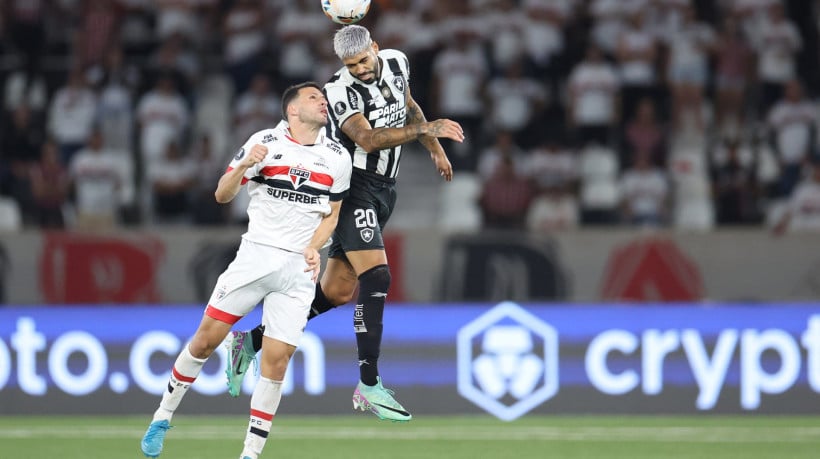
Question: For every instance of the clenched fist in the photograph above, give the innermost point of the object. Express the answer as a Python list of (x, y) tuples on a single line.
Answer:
[(257, 154)]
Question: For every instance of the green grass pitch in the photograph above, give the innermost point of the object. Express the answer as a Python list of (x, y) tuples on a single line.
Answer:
[(479, 437)]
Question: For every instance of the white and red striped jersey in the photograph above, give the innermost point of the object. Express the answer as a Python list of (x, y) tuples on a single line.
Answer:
[(291, 189)]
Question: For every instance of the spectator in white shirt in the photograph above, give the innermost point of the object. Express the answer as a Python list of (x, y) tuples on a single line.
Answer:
[(258, 108), (543, 34), (244, 42), (803, 211), (99, 177), (688, 68), (636, 53), (171, 182), (645, 193), (594, 101), (71, 115), (792, 123), (299, 30), (752, 14), (460, 73), (553, 166), (777, 43), (554, 209), (163, 116), (516, 102), (608, 21), (504, 146)]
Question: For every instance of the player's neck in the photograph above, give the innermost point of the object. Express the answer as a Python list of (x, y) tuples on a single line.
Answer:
[(305, 134)]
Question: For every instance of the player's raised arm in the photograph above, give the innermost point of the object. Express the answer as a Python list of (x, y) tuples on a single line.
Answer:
[(231, 181), (415, 115), (358, 129)]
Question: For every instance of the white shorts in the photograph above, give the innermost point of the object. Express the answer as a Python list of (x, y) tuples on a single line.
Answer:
[(261, 272)]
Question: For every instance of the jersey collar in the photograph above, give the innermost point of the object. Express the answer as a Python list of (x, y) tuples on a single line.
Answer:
[(285, 127)]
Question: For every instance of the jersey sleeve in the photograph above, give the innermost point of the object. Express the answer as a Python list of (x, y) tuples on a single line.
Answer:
[(405, 65), (245, 149), (344, 101), (400, 58), (341, 178)]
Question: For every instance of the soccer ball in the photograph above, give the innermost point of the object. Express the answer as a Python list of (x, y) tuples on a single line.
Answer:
[(345, 11)]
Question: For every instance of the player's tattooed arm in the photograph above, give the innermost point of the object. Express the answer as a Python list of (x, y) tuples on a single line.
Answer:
[(416, 116), (371, 140)]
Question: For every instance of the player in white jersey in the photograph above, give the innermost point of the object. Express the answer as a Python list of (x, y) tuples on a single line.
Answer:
[(296, 179), (372, 114)]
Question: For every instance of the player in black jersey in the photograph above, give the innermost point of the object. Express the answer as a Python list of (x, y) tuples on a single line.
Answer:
[(373, 114)]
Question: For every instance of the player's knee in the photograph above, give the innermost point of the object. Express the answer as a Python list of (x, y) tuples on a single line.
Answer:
[(338, 296), (276, 367), (375, 280)]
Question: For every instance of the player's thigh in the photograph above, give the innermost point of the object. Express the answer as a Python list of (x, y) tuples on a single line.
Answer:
[(285, 310), (364, 260), (243, 284)]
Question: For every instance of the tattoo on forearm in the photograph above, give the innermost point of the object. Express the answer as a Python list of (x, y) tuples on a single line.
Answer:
[(390, 137), (415, 115)]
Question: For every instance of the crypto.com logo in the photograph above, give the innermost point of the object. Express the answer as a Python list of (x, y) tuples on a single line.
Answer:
[(500, 365)]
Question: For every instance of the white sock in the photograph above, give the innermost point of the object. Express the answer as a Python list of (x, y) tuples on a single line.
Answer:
[(264, 402), (183, 374)]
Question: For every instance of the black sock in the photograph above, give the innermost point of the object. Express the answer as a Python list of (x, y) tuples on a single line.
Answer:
[(367, 320), (320, 303), (256, 337)]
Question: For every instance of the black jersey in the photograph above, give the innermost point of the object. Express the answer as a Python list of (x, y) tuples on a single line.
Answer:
[(383, 103)]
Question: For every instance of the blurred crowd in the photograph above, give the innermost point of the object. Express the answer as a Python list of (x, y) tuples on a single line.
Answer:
[(687, 114)]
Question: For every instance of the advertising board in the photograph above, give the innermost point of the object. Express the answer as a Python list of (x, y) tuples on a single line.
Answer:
[(505, 360)]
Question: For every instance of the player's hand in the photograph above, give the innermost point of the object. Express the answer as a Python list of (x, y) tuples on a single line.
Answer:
[(256, 155), (443, 166), (444, 128), (313, 261)]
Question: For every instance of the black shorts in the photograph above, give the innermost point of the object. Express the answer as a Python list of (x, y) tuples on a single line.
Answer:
[(364, 214)]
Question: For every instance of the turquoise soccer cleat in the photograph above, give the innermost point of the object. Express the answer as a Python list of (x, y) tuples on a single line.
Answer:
[(380, 402), (240, 356), (154, 437)]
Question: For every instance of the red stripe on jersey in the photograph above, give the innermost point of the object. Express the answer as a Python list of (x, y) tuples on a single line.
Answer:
[(244, 180), (270, 171), (179, 377), (324, 179), (316, 177), (221, 316), (262, 415)]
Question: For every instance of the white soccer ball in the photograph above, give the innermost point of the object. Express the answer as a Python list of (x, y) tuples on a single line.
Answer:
[(345, 11)]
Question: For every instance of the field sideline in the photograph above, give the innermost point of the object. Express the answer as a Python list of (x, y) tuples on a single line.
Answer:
[(343, 437)]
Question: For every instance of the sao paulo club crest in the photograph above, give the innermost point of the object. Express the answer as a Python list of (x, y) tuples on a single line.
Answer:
[(298, 175)]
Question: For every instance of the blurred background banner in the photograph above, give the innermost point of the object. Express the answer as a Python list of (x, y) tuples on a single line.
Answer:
[(504, 360), (427, 265)]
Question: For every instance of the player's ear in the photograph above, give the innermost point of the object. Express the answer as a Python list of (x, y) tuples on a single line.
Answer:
[(375, 47)]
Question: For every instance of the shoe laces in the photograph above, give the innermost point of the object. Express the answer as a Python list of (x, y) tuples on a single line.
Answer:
[(389, 392), (157, 429), (239, 347)]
